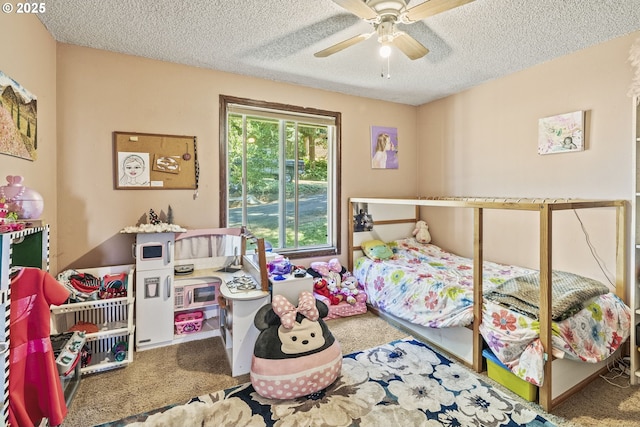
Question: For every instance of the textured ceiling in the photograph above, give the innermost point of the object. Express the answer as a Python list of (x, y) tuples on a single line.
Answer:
[(276, 39)]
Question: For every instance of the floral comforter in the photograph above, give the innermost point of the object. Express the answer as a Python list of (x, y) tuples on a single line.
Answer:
[(431, 287)]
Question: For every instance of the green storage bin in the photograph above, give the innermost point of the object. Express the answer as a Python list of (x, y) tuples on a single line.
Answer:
[(498, 372)]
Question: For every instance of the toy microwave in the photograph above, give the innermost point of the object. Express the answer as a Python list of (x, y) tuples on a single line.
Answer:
[(194, 293)]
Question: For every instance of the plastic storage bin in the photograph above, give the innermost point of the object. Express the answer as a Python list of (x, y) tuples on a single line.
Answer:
[(498, 372), (187, 323)]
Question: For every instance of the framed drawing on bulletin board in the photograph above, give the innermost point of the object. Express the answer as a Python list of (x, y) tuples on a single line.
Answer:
[(151, 161)]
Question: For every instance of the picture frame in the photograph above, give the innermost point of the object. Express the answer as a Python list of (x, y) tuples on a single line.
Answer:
[(384, 147), (18, 120), (561, 133)]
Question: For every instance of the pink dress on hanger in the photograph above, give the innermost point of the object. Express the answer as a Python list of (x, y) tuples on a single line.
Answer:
[(35, 391)]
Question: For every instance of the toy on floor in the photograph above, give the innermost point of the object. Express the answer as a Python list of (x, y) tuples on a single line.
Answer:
[(333, 281), (422, 232), (295, 354), (321, 287)]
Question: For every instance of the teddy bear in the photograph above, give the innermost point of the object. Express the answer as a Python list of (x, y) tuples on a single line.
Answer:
[(422, 232), (349, 288), (295, 354)]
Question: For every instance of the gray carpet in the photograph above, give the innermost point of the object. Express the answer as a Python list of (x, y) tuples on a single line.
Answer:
[(174, 374)]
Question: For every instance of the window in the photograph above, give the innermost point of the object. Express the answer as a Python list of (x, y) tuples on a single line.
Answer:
[(280, 175)]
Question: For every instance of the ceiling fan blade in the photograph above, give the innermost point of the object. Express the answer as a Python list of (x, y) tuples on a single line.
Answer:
[(430, 8), (342, 45), (358, 8), (408, 45)]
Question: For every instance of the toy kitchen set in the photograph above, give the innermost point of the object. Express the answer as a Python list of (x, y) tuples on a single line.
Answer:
[(196, 284)]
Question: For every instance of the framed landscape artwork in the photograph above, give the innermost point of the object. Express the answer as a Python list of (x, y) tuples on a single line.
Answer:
[(561, 134), (18, 120)]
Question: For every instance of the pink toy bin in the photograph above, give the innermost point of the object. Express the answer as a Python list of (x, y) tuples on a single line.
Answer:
[(188, 323)]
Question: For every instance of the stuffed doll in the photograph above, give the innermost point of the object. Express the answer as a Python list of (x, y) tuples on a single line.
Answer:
[(422, 232), (342, 286), (349, 288), (295, 354)]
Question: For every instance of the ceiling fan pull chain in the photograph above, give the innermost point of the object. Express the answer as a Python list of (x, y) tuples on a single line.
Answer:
[(388, 68)]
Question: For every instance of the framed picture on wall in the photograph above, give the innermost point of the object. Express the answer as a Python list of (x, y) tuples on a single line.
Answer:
[(384, 147), (18, 120), (561, 133)]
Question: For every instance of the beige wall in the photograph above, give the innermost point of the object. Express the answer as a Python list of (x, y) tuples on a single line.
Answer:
[(28, 55), (479, 142), (483, 142), (100, 92)]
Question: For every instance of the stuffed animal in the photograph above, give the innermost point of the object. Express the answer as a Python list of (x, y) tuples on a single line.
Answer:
[(342, 286), (324, 268), (321, 287), (295, 354), (349, 288), (422, 232)]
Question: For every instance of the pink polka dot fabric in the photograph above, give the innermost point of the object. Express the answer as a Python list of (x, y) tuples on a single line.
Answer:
[(295, 377), (344, 309)]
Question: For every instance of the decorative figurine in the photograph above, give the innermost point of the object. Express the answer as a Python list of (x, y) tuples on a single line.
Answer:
[(153, 217), (169, 215)]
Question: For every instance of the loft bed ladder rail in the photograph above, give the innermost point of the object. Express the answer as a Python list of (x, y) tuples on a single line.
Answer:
[(478, 233)]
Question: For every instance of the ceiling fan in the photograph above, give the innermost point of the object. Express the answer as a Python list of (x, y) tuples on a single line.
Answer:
[(384, 15)]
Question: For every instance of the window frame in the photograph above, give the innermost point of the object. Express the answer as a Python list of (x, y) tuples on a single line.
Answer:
[(336, 212)]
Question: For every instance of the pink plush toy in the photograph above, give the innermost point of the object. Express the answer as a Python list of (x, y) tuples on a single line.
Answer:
[(324, 268)]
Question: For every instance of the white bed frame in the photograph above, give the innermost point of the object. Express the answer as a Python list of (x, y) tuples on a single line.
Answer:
[(395, 219)]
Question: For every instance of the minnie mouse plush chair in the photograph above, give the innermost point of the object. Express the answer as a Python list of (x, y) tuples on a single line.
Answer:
[(295, 354)]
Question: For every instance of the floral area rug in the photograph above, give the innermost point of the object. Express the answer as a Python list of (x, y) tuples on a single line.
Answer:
[(403, 383)]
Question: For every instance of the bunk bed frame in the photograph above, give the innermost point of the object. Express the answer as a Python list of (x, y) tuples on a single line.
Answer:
[(546, 208)]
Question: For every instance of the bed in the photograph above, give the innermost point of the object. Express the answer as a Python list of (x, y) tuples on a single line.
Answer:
[(434, 295)]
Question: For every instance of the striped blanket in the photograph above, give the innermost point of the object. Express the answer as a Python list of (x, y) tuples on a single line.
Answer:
[(569, 292)]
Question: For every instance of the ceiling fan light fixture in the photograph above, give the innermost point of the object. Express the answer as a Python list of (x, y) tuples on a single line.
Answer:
[(383, 15), (385, 51)]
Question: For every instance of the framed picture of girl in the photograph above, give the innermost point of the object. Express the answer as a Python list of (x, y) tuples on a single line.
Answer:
[(384, 147)]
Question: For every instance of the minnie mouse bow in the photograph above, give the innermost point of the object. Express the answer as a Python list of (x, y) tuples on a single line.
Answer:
[(287, 311)]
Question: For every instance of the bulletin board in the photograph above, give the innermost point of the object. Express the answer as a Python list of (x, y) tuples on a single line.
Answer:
[(147, 161)]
